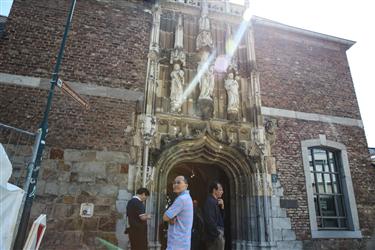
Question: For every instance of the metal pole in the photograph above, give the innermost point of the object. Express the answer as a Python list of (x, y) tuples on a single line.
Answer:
[(145, 165), (30, 168), (30, 193)]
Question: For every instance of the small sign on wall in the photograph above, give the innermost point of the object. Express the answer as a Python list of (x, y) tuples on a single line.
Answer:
[(274, 178), (87, 210)]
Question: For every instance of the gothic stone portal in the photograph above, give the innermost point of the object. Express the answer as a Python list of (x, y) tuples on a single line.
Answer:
[(207, 159)]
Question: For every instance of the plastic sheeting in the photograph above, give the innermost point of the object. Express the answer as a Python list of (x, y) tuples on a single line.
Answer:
[(10, 203)]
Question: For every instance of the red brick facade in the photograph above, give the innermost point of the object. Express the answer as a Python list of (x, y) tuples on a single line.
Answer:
[(303, 73), (107, 45), (287, 150), (306, 74)]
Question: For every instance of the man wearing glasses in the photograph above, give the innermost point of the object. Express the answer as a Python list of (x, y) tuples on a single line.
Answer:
[(180, 217)]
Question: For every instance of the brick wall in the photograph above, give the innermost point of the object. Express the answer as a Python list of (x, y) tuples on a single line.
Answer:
[(70, 125), (304, 74), (107, 45), (287, 151)]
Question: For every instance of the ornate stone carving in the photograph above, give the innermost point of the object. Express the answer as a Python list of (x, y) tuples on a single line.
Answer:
[(148, 128), (254, 151), (178, 59), (270, 127), (177, 88), (178, 55), (204, 38), (206, 86), (231, 86), (179, 35), (154, 45), (218, 133)]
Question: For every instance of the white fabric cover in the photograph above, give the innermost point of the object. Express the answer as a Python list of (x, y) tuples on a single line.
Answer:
[(10, 202), (5, 167)]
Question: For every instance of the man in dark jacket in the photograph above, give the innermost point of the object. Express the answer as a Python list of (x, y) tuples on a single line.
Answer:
[(213, 212), (137, 218), (198, 228)]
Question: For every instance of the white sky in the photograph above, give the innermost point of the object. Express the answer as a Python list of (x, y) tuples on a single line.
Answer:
[(350, 19)]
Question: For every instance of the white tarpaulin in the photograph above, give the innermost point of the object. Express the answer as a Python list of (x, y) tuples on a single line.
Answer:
[(10, 202)]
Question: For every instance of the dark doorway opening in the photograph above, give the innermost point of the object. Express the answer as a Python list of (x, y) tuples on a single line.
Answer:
[(200, 176)]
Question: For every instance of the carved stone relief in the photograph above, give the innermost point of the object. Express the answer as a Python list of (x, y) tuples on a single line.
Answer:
[(178, 59), (177, 88), (231, 86)]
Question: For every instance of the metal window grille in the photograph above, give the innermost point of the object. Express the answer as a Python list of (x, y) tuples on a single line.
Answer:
[(18, 145), (328, 193)]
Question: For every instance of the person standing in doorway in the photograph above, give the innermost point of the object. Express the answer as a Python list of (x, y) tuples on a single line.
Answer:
[(198, 228), (180, 217), (135, 210), (213, 213)]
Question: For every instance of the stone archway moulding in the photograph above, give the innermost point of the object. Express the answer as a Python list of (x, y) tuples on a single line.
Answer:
[(246, 215)]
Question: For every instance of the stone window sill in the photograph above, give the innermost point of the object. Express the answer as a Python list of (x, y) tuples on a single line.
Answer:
[(335, 234)]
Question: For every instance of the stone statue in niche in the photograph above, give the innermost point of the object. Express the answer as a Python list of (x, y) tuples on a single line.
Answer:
[(206, 83), (206, 86), (177, 88), (231, 86)]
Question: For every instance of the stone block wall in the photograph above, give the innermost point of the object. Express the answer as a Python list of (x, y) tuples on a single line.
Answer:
[(71, 177), (283, 234)]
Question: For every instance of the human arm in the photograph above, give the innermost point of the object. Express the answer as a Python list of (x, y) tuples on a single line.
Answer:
[(144, 217), (173, 210), (136, 214)]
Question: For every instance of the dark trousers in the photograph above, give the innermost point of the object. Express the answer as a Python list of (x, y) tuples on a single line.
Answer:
[(218, 243), (138, 239)]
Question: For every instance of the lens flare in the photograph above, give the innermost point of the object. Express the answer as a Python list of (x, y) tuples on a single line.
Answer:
[(247, 15), (196, 79)]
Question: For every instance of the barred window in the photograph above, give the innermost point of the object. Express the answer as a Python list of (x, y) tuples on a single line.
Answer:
[(327, 188)]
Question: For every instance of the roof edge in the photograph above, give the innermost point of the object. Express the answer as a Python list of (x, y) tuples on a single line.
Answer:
[(271, 23)]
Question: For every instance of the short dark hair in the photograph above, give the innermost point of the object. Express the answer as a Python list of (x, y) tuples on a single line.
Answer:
[(143, 191), (213, 185), (184, 178)]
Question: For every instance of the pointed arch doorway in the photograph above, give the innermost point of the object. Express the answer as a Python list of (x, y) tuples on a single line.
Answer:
[(207, 159)]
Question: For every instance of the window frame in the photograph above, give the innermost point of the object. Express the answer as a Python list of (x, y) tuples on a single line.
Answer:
[(353, 230), (336, 191)]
